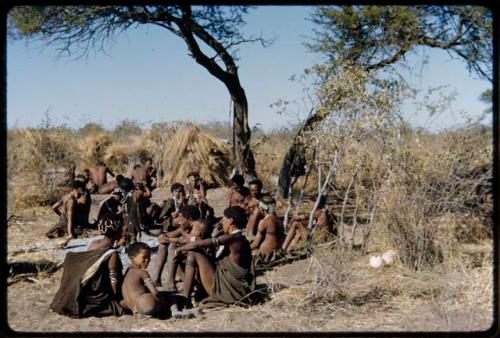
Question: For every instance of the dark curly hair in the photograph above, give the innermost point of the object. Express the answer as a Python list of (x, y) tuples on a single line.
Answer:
[(238, 215), (134, 248), (190, 212)]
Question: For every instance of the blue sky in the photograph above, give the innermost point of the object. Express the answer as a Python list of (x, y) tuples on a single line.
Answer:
[(148, 76)]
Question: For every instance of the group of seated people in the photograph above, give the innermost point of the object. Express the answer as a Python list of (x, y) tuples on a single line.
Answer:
[(214, 255)]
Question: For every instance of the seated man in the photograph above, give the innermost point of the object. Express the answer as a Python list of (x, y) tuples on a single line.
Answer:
[(238, 194), (98, 177), (206, 211), (90, 285), (270, 235), (228, 279), (188, 215), (132, 210), (84, 202), (145, 173), (195, 186), (139, 292), (323, 220), (253, 211), (71, 212), (171, 206)]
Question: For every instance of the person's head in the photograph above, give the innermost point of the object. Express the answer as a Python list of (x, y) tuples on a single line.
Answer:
[(322, 202), (139, 254), (148, 161), (126, 184), (187, 214), (119, 178), (234, 218), (137, 166), (81, 177), (77, 187), (267, 204), (255, 187), (237, 180), (193, 177), (111, 226), (86, 172), (177, 190), (203, 229), (117, 193), (100, 163)]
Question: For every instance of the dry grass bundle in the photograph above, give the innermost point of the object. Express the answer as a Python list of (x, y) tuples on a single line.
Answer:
[(93, 148), (269, 152), (36, 159), (122, 156), (191, 149)]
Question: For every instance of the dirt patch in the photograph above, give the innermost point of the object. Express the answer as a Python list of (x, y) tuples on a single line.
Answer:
[(301, 294)]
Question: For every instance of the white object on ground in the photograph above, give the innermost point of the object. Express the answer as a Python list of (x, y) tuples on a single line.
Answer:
[(376, 262), (389, 256)]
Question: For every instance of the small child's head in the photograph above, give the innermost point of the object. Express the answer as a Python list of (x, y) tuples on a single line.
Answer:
[(140, 254), (202, 229)]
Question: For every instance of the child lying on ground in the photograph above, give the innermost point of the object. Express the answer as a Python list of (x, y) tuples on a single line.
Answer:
[(139, 292)]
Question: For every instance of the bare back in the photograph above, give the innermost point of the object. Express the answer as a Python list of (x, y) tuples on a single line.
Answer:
[(239, 251), (98, 175), (133, 285), (271, 228)]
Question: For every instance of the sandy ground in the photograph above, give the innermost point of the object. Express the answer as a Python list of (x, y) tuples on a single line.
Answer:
[(28, 300)]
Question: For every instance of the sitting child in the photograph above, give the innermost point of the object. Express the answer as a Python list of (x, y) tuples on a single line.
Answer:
[(139, 292)]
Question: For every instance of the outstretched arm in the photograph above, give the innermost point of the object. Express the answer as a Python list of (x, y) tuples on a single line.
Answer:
[(207, 243)]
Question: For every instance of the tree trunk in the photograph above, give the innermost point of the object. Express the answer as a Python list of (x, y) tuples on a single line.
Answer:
[(244, 160)]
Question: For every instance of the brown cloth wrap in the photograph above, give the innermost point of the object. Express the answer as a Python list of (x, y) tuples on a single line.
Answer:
[(93, 298), (232, 284)]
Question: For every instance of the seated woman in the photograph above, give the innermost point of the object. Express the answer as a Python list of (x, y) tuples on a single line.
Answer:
[(229, 278), (323, 221), (90, 285), (270, 235)]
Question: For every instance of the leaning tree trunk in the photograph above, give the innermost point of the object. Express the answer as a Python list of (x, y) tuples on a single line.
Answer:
[(295, 160), (244, 160)]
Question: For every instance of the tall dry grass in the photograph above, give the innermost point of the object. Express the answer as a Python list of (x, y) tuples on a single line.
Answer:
[(37, 163)]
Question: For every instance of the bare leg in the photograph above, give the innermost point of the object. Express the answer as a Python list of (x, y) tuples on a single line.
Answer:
[(160, 263), (171, 267), (207, 273), (290, 236), (146, 304)]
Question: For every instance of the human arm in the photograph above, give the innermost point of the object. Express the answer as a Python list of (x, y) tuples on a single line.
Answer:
[(56, 206), (149, 284), (261, 228), (71, 206), (110, 172), (207, 243), (114, 267)]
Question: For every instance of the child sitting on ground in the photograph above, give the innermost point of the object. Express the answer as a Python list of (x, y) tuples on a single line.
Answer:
[(139, 292)]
